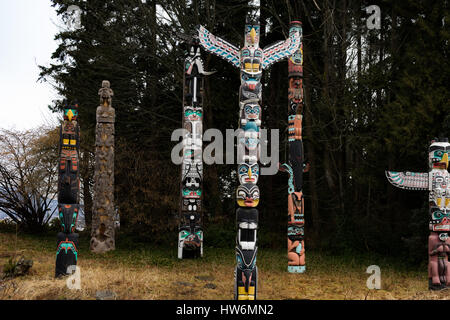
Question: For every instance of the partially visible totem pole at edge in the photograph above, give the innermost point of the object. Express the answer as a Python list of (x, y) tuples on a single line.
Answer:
[(190, 236), (68, 191), (436, 181), (251, 60), (103, 211), (295, 165)]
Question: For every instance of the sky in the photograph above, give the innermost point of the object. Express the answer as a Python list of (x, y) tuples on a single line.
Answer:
[(27, 31)]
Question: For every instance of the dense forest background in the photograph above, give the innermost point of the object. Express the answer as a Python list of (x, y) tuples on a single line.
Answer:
[(374, 100)]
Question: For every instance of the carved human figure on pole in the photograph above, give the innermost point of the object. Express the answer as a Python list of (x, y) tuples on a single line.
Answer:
[(103, 212), (106, 94)]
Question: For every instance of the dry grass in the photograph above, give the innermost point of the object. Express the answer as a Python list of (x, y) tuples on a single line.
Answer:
[(149, 273)]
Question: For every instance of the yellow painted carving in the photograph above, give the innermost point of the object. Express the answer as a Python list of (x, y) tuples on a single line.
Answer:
[(70, 114), (253, 35)]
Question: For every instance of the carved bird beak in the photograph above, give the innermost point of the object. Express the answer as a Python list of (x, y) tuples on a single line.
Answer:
[(70, 115), (445, 160), (253, 35)]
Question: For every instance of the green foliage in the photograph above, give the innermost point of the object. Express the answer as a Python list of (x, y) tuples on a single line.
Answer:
[(16, 266)]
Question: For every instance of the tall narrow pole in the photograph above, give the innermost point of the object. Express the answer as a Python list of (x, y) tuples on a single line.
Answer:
[(294, 167), (68, 191), (251, 60), (190, 235), (103, 211), (247, 193)]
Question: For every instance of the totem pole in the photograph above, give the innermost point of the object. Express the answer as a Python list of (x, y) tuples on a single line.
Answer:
[(436, 181), (251, 60), (68, 191), (190, 236), (103, 212), (295, 165)]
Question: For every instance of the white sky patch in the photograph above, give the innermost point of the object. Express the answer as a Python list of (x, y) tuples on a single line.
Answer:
[(27, 31)]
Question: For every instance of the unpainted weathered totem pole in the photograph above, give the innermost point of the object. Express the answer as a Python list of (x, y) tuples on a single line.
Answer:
[(295, 165), (190, 236), (103, 211), (251, 60), (68, 191), (436, 181)]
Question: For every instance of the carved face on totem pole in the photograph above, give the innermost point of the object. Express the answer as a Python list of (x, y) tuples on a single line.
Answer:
[(250, 90), (250, 137), (297, 57), (71, 112), (295, 92), (296, 232), (438, 154), (192, 192), (69, 130), (192, 152), (295, 63), (192, 182), (193, 113), (191, 234), (106, 84), (105, 94), (68, 215), (248, 173), (440, 219), (252, 33), (247, 195), (250, 112), (191, 239)]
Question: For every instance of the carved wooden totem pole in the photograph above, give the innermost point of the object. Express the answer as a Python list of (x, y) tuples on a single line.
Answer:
[(190, 236), (103, 211), (68, 191), (251, 60), (436, 181), (295, 165)]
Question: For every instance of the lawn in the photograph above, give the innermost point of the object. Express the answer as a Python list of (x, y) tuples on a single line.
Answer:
[(146, 272)]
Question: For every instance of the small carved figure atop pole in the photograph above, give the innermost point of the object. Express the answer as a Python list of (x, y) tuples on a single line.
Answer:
[(105, 93)]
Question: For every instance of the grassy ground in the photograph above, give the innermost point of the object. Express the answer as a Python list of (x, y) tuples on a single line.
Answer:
[(144, 272)]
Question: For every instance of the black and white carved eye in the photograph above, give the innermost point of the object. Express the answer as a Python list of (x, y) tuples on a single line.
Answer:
[(241, 194)]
